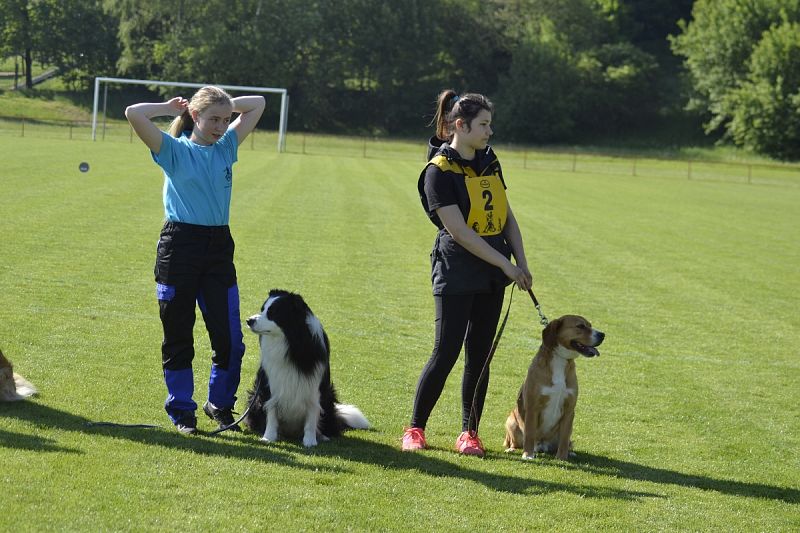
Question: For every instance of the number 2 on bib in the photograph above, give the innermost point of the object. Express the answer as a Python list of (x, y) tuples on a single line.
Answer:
[(488, 211)]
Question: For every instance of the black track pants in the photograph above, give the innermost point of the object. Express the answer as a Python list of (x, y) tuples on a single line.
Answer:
[(469, 320), (194, 266)]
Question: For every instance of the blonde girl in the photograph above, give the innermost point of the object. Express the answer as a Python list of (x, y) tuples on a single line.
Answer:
[(194, 258)]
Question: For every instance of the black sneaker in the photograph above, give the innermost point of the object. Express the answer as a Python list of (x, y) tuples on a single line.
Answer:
[(186, 423), (223, 416)]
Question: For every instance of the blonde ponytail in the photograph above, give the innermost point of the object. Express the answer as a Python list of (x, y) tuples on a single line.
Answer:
[(181, 123)]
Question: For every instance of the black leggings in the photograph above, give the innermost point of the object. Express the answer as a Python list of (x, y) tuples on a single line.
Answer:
[(471, 320)]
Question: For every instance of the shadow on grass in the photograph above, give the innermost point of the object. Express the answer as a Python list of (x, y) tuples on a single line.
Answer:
[(597, 464), (353, 448), (356, 449), (32, 442), (224, 444), (247, 446)]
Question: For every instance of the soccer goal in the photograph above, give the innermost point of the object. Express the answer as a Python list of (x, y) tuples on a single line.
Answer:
[(282, 92)]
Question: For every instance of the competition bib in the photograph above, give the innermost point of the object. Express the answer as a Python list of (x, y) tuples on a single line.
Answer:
[(488, 208), (487, 199)]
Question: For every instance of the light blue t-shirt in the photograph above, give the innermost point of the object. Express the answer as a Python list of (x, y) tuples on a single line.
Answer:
[(197, 179)]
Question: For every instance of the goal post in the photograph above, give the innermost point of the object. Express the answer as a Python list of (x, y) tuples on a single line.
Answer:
[(241, 88)]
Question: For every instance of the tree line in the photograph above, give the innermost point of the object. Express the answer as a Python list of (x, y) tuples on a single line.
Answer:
[(559, 70)]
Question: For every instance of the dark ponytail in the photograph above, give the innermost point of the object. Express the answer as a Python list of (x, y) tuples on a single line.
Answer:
[(450, 107)]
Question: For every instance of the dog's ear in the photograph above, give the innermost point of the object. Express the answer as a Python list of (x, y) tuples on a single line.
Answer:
[(550, 333), (4, 363)]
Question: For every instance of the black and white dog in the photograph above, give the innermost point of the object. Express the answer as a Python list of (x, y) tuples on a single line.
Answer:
[(293, 394)]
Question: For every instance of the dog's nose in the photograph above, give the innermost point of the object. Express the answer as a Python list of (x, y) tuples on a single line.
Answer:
[(600, 337), (251, 321)]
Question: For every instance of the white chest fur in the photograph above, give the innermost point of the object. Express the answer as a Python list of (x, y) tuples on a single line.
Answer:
[(557, 392), (292, 393)]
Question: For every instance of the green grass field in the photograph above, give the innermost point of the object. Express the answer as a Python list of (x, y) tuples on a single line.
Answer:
[(688, 421)]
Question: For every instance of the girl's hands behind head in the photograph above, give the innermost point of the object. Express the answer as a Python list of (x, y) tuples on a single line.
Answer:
[(178, 105)]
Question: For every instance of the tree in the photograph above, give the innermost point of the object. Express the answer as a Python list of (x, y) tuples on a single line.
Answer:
[(557, 67), (536, 98), (719, 46), (765, 108), (75, 36), (19, 33), (571, 73)]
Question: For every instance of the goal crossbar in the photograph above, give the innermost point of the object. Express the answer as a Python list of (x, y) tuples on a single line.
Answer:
[(243, 88)]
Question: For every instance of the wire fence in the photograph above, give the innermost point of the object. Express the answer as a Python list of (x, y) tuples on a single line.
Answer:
[(513, 156)]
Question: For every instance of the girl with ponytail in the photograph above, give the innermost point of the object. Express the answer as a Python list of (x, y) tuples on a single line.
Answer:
[(194, 258), (464, 194)]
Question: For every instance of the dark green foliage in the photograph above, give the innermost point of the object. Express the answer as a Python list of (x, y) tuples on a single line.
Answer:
[(743, 61), (558, 70), (765, 108), (76, 36)]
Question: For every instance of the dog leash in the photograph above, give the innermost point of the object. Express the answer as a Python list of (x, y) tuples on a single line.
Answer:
[(252, 401), (115, 424), (473, 414), (542, 320)]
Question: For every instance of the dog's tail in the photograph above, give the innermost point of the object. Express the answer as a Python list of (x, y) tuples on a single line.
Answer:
[(256, 419), (351, 417), (24, 387)]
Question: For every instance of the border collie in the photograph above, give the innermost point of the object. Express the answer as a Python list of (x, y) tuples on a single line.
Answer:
[(293, 395)]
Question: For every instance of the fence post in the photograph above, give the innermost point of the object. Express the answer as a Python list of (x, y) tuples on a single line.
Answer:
[(634, 166), (749, 173), (304, 143), (574, 160), (365, 148), (23, 126), (689, 171), (524, 159), (70, 131)]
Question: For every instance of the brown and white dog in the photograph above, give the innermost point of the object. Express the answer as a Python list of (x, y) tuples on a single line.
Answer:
[(542, 419), (13, 387)]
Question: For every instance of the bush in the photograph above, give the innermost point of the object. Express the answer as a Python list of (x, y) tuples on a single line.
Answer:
[(765, 109)]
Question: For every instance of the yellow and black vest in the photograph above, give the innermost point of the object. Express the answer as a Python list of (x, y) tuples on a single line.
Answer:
[(480, 195)]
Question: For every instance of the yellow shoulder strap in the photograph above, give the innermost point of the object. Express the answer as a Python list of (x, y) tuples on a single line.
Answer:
[(445, 165)]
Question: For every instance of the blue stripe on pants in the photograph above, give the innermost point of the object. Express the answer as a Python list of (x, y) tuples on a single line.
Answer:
[(222, 383), (180, 387)]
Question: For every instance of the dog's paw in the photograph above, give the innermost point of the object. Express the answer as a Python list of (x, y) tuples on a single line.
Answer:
[(528, 456), (324, 438), (270, 436), (510, 449), (309, 442)]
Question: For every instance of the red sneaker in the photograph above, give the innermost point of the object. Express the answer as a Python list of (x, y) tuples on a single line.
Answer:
[(414, 439), (468, 443)]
